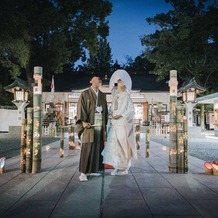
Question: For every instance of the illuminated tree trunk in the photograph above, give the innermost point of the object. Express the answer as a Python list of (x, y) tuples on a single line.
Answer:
[(29, 140)]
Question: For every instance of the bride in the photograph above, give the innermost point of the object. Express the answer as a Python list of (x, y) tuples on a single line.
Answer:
[(121, 145)]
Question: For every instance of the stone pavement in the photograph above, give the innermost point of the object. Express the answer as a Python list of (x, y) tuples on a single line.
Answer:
[(149, 190)]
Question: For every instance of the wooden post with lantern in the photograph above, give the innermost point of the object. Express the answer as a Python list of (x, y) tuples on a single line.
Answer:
[(172, 124), (189, 90), (37, 127)]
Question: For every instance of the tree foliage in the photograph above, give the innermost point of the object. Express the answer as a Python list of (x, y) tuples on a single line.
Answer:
[(186, 40), (101, 61), (53, 34), (139, 65)]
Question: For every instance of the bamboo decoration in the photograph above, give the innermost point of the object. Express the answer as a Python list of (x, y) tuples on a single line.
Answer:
[(173, 127), (61, 119), (180, 141), (202, 117), (29, 140), (137, 136), (37, 123), (147, 151), (71, 137), (185, 141), (23, 147), (62, 142)]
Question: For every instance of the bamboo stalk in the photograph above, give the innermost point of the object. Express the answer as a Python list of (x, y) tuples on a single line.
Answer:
[(62, 142), (37, 120), (180, 140), (137, 136), (185, 136), (173, 119), (71, 138), (29, 140), (173, 136), (23, 147), (147, 152), (37, 142), (202, 117)]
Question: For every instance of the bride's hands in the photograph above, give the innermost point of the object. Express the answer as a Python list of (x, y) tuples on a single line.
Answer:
[(116, 117)]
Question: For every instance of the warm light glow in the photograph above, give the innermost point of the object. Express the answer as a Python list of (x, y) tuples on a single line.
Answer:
[(47, 147), (164, 148), (184, 96), (21, 95), (189, 95)]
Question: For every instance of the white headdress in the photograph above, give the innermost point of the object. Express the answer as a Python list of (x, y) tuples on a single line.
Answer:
[(124, 76)]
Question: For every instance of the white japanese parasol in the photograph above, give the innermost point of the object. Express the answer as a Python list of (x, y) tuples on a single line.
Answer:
[(124, 76)]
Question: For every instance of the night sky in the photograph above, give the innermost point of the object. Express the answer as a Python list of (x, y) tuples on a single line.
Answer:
[(127, 25)]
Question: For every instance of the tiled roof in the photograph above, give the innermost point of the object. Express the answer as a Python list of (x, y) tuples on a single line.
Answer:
[(191, 84), (19, 83), (69, 82)]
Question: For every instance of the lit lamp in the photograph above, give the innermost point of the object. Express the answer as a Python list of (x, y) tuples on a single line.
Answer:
[(189, 90), (21, 93), (189, 95)]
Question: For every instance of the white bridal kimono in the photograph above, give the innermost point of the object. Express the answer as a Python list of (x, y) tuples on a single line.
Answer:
[(121, 145)]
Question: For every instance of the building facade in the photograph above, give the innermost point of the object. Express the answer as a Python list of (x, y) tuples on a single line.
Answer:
[(150, 106)]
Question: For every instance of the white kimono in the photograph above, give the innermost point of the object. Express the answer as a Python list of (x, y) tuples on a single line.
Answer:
[(121, 145)]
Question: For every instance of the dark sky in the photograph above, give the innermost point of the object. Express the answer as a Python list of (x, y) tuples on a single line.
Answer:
[(127, 24)]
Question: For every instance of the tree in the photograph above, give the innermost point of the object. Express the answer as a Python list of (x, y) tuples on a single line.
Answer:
[(53, 34), (100, 62), (139, 65), (186, 41)]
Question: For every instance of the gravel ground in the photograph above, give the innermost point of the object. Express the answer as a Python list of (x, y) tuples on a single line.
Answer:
[(203, 148), (10, 147)]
